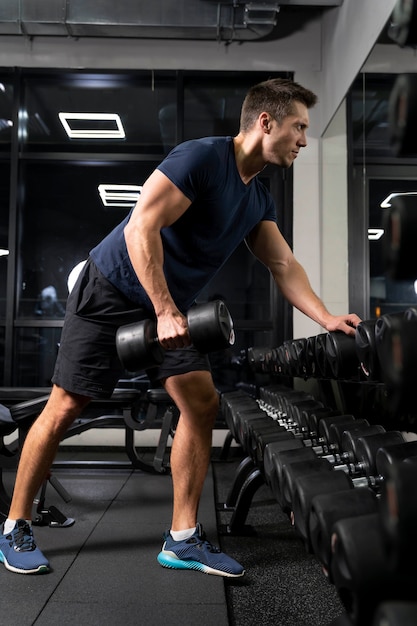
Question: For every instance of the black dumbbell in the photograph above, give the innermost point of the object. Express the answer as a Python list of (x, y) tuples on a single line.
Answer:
[(360, 571), (276, 457), (306, 487), (328, 508), (399, 514), (343, 460), (341, 355), (397, 613), (210, 326), (366, 350)]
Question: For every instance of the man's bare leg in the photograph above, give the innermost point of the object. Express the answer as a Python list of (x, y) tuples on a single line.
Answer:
[(41, 446), (197, 400), (186, 547)]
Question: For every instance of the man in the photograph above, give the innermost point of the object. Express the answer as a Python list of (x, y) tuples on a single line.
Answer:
[(194, 210)]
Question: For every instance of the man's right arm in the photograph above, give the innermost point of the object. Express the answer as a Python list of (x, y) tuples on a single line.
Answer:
[(160, 204)]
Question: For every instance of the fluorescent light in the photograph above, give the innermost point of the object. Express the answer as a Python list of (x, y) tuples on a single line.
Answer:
[(375, 233), (385, 204), (3, 252), (119, 195), (111, 126)]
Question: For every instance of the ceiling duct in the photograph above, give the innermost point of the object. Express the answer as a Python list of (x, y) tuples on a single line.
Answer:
[(231, 20)]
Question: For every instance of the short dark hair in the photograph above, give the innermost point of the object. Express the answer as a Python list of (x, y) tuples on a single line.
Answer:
[(275, 96)]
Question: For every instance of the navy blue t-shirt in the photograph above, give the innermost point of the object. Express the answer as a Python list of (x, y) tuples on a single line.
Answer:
[(222, 213)]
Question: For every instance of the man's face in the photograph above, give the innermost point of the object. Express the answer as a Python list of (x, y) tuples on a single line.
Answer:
[(283, 141)]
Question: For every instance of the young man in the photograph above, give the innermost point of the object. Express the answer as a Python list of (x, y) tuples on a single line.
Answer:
[(194, 210)]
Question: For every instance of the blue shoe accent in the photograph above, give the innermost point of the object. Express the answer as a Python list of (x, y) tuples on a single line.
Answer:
[(199, 554), (19, 553)]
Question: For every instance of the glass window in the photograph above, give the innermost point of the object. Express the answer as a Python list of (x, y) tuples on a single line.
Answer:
[(137, 100), (212, 104), (2, 341), (4, 226), (63, 218), (386, 295), (6, 113), (37, 350), (369, 114)]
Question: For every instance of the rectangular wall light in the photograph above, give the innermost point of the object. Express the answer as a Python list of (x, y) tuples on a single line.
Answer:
[(92, 125), (119, 195)]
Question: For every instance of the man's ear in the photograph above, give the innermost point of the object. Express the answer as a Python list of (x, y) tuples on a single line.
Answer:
[(265, 121)]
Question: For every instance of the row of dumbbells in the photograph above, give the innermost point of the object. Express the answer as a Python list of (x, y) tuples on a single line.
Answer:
[(382, 350), (345, 484)]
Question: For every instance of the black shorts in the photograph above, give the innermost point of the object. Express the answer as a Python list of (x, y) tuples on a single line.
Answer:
[(87, 361)]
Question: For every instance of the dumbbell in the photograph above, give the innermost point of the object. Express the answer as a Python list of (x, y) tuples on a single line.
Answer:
[(327, 509), (344, 459), (366, 350), (341, 355), (360, 571), (277, 456), (232, 405), (399, 513), (210, 326), (307, 487), (260, 359), (397, 613)]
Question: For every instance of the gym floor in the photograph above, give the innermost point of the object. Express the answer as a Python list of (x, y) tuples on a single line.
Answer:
[(104, 568)]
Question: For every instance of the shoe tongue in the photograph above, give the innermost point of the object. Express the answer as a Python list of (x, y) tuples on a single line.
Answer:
[(199, 529), (20, 523)]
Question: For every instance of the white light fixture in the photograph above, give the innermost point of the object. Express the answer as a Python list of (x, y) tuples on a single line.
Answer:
[(3, 252), (103, 125), (375, 233), (119, 195), (385, 204)]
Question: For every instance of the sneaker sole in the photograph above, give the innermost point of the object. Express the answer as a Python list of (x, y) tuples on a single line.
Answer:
[(41, 569), (172, 562)]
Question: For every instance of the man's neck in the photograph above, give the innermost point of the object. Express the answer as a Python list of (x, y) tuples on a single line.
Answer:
[(248, 155)]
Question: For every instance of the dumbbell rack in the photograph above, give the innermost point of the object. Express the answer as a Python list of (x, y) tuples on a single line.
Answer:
[(256, 423)]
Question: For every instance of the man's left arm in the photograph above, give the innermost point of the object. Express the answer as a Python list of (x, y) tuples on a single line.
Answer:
[(269, 246)]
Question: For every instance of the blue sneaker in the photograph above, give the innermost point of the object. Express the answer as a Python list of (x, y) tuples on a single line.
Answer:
[(199, 554), (19, 553)]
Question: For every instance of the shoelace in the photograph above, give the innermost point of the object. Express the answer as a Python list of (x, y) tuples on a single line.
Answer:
[(200, 541), (23, 539)]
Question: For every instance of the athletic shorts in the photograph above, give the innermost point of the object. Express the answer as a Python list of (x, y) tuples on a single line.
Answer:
[(87, 361)]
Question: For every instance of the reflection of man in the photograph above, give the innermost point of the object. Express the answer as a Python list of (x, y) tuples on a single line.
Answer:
[(48, 304), (73, 275), (200, 203)]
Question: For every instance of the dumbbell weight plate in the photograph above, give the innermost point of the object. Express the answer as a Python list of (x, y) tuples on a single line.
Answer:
[(398, 514), (396, 614), (366, 349), (385, 457), (306, 487), (327, 509), (341, 354), (211, 326), (360, 570), (136, 344)]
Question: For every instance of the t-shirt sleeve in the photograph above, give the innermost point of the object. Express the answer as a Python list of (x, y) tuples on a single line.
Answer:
[(188, 166)]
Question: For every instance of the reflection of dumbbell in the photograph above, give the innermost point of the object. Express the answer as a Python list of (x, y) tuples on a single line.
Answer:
[(210, 326)]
